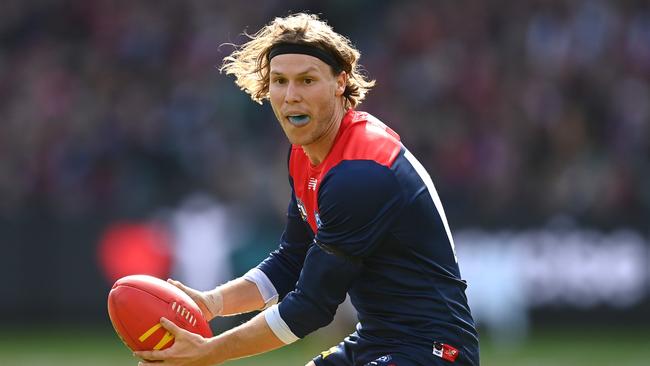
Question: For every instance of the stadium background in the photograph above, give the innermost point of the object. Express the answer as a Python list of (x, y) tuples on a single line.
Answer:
[(122, 149)]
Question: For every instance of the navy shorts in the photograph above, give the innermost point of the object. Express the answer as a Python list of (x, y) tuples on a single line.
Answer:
[(354, 352), (336, 356), (342, 355)]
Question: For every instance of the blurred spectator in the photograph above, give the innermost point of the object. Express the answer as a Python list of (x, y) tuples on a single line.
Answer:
[(519, 109)]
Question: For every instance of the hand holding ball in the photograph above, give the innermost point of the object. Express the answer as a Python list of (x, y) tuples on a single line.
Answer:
[(136, 303)]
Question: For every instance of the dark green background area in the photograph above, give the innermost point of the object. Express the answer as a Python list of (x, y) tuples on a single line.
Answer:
[(556, 347)]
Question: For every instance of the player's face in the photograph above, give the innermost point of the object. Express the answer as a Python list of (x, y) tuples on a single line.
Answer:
[(306, 98)]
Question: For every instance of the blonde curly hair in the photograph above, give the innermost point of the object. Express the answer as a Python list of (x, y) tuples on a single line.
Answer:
[(249, 63)]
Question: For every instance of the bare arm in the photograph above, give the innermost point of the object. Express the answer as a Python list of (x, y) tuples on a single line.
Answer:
[(251, 338), (240, 296), (189, 349), (235, 297)]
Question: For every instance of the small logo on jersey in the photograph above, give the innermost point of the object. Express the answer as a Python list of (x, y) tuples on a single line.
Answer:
[(445, 351), (312, 184), (381, 361), (319, 223), (301, 209)]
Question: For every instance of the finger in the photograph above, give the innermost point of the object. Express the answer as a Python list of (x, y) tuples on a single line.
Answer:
[(178, 284), (151, 355), (191, 292), (196, 296), (171, 326), (172, 281)]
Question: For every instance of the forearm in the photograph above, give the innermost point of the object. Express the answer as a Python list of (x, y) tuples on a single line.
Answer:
[(253, 337), (240, 296)]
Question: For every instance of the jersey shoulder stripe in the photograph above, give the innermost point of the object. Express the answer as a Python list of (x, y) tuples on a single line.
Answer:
[(364, 137)]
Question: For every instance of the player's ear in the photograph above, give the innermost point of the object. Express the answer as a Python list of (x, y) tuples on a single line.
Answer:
[(341, 83)]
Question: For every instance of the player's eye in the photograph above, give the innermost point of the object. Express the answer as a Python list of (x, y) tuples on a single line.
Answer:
[(308, 81), (279, 81)]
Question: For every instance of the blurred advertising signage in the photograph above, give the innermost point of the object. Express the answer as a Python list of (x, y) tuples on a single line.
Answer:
[(127, 248), (572, 268)]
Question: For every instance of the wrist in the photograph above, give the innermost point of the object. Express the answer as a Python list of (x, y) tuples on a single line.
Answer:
[(214, 301), (216, 350)]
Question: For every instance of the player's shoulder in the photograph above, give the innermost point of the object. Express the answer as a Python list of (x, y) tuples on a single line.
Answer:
[(364, 137), (359, 180)]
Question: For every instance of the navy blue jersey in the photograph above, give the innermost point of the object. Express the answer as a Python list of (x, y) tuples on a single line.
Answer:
[(368, 222)]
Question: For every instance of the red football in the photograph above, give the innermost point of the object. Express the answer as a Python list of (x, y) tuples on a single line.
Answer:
[(136, 303)]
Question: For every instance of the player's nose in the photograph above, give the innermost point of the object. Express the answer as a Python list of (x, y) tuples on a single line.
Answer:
[(292, 94)]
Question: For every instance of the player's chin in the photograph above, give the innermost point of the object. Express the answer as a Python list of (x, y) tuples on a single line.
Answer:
[(301, 140), (295, 135)]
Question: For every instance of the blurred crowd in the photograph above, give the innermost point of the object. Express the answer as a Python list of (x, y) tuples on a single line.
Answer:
[(520, 110)]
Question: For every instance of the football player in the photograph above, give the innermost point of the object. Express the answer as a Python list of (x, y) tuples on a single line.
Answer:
[(364, 219)]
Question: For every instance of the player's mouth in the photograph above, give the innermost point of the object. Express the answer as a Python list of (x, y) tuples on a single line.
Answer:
[(298, 120)]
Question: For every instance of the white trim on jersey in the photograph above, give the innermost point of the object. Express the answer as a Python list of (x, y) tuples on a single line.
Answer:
[(278, 326), (264, 285), (426, 178)]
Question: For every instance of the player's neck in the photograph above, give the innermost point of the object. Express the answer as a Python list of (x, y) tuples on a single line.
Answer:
[(317, 151)]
